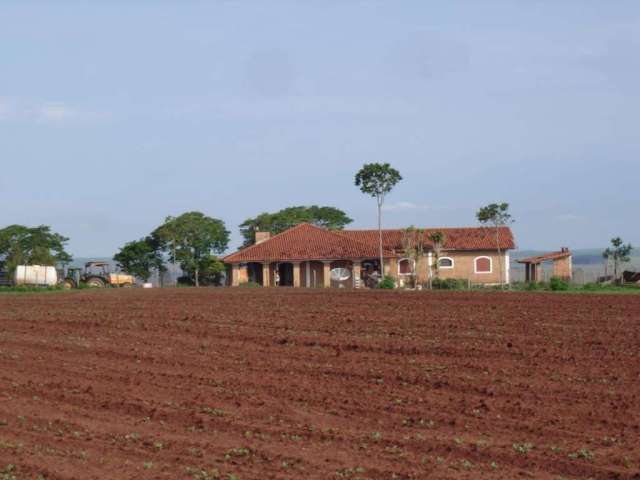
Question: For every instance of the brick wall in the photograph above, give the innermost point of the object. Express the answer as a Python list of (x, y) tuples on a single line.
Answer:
[(464, 267)]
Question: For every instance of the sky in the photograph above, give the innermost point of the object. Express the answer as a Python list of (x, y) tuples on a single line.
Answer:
[(114, 115)]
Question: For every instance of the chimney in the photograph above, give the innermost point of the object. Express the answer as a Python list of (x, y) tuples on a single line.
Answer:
[(262, 236)]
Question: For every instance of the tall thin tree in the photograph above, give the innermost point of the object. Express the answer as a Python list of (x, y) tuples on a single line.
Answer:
[(377, 180), (497, 216), (437, 239), (619, 253)]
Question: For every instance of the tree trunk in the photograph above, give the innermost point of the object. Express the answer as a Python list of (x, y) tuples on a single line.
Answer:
[(499, 257), (175, 280), (380, 237), (197, 275)]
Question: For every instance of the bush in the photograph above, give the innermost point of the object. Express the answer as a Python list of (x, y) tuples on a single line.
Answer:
[(250, 285), (449, 283), (387, 283), (557, 284), (533, 286)]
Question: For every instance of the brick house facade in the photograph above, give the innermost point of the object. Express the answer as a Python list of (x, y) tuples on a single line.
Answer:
[(310, 256)]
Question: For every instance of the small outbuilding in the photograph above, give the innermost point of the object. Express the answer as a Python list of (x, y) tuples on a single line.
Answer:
[(562, 265)]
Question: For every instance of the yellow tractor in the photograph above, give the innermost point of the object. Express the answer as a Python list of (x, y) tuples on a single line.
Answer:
[(97, 275)]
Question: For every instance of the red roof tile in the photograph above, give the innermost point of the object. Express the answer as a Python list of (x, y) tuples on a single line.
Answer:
[(309, 242), (546, 257), (469, 238), (306, 242)]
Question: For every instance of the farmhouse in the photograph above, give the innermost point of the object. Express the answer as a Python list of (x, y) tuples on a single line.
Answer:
[(310, 256)]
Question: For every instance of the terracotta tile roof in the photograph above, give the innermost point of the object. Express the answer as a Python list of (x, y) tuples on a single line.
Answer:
[(308, 242), (469, 238), (546, 257)]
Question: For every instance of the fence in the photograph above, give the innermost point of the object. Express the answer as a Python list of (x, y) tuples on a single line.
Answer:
[(582, 274)]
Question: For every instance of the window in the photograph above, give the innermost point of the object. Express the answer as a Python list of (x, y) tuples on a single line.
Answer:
[(445, 262), (483, 265), (405, 266)]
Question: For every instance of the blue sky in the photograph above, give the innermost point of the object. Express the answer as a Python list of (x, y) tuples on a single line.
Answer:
[(115, 114)]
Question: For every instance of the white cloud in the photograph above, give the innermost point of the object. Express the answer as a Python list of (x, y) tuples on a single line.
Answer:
[(404, 206), (55, 112)]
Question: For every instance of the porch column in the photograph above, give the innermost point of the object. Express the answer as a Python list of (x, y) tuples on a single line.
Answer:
[(243, 274), (357, 265), (392, 267), (296, 274), (326, 278), (266, 275), (235, 275)]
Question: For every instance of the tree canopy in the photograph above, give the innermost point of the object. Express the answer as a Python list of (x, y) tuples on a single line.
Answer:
[(327, 217), (495, 214), (377, 179), (20, 245), (140, 258), (192, 240)]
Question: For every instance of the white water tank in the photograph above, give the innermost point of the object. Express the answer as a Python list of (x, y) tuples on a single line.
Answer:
[(35, 275)]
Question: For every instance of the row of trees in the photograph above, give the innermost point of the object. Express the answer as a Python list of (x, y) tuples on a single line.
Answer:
[(190, 240), (193, 240), (327, 217)]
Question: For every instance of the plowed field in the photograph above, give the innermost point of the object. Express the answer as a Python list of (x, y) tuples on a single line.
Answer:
[(283, 384)]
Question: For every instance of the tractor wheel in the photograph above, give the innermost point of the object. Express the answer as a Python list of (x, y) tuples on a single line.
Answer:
[(68, 284), (95, 282)]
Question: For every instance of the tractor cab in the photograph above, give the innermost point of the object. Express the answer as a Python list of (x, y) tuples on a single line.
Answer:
[(101, 269)]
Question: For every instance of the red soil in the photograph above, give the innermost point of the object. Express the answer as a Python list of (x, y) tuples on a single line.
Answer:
[(259, 384)]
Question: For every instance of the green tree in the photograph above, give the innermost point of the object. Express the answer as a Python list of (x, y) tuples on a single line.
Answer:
[(437, 239), (141, 257), (497, 216), (20, 245), (327, 217), (618, 254), (377, 180), (192, 240), (413, 246)]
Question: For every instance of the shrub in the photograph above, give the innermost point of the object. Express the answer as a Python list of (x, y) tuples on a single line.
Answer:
[(387, 283), (449, 283), (250, 285), (533, 286), (557, 284)]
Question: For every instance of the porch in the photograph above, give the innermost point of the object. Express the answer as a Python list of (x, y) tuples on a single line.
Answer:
[(337, 273)]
